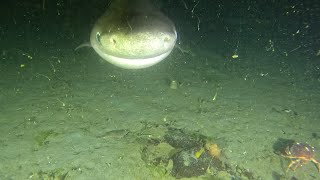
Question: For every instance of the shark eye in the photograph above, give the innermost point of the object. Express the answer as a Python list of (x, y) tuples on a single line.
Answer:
[(98, 35), (113, 41), (166, 39)]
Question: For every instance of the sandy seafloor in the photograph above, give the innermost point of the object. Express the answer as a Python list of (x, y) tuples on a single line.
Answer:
[(69, 115)]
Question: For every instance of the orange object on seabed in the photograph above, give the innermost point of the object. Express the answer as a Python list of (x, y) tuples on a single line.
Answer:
[(213, 150)]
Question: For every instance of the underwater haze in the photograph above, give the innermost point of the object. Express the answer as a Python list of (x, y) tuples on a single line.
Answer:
[(237, 98)]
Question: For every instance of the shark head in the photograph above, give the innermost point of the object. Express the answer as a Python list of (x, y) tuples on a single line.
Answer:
[(133, 34)]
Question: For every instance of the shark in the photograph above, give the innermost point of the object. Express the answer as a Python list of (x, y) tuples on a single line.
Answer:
[(133, 34)]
